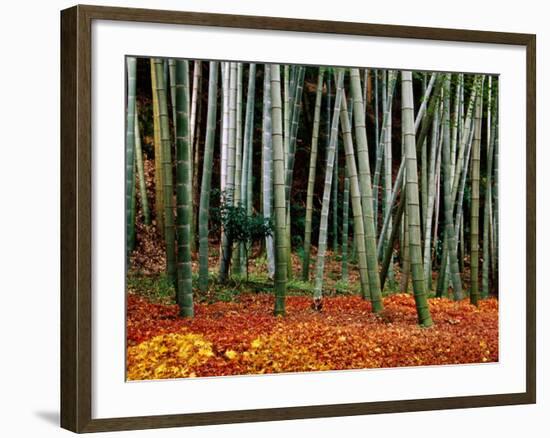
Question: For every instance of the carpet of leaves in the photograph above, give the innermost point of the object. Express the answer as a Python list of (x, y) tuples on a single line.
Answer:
[(243, 337)]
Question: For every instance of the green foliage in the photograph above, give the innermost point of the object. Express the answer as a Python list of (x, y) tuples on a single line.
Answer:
[(226, 295), (299, 287), (238, 226), (241, 228), (156, 288)]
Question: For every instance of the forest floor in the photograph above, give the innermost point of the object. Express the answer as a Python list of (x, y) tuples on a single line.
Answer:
[(235, 332)]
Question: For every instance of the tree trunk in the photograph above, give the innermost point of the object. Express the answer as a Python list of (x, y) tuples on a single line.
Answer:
[(413, 211), (488, 196), (365, 187), (184, 196), (230, 177), (206, 183), (267, 174), (141, 175), (312, 175), (169, 232), (474, 214), (448, 204), (130, 157), (329, 173), (279, 209), (159, 184)]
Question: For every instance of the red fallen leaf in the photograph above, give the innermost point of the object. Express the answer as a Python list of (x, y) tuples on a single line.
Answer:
[(346, 335)]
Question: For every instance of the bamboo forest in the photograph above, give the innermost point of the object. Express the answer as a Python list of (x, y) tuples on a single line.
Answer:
[(288, 218)]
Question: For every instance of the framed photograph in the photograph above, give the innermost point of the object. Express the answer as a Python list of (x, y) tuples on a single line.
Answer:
[(266, 218)]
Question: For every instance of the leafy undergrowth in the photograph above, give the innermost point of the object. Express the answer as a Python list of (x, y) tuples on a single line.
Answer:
[(243, 337)]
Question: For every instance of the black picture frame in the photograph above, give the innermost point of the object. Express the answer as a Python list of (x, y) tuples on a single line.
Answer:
[(76, 218)]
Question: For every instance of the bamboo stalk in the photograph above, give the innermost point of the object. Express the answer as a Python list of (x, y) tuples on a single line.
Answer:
[(131, 64), (169, 231), (487, 215), (141, 174), (267, 158), (474, 215), (365, 186), (413, 210), (279, 200), (184, 197), (311, 175), (159, 185), (329, 173), (204, 208)]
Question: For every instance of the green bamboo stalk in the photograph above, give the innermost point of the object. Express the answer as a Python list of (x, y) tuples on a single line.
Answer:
[(197, 72), (431, 182), (227, 246), (437, 204), (240, 167), (495, 233), (130, 156), (246, 174), (169, 231), (345, 226), (424, 189), (206, 182), (357, 210), (388, 88), (311, 175), (406, 256), (184, 196), (195, 151), (289, 108), (491, 127), (334, 201), (459, 215), (296, 101), (448, 205), (393, 237), (387, 171), (474, 211), (353, 255), (376, 122), (194, 126), (235, 119), (141, 173), (426, 124), (425, 99), (296, 89), (329, 173), (159, 184), (365, 88), (413, 210), (267, 158), (455, 121), (467, 128), (133, 202), (279, 200), (225, 124), (443, 278), (365, 185), (170, 83), (386, 230)]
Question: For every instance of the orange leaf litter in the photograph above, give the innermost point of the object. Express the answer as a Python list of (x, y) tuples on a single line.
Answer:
[(245, 338)]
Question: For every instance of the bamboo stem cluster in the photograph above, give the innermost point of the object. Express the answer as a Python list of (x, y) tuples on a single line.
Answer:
[(433, 160)]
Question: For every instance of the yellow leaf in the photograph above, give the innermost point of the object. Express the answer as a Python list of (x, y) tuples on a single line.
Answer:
[(256, 343), (205, 352), (231, 354)]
